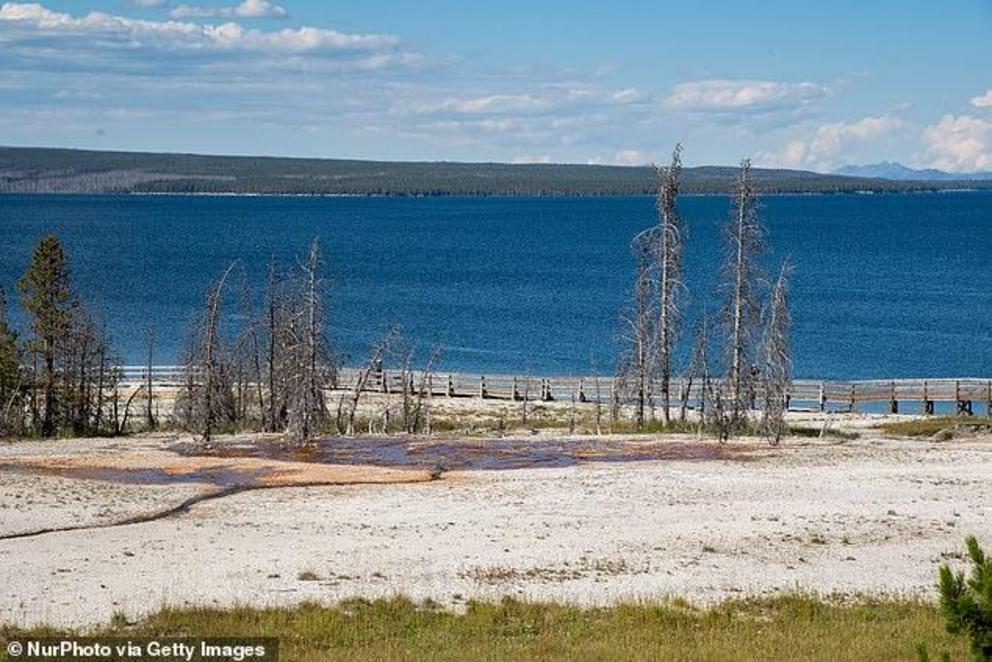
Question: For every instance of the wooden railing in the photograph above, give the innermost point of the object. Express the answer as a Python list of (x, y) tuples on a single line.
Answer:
[(803, 393)]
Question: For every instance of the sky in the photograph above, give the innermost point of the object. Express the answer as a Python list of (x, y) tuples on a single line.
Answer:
[(797, 84)]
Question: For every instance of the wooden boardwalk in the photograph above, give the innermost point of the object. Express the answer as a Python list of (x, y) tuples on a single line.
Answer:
[(909, 396)]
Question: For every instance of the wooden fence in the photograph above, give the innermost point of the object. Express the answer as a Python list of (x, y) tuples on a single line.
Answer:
[(898, 395)]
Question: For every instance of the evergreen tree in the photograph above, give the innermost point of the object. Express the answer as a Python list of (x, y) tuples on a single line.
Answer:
[(10, 374), (967, 603), (46, 295)]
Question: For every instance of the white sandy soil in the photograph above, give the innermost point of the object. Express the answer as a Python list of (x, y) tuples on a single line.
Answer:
[(868, 516)]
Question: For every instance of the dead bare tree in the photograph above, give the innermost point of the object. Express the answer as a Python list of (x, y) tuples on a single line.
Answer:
[(255, 356), (207, 398), (421, 410), (597, 396), (149, 414), (635, 369), (308, 367), (571, 414), (348, 407), (744, 238), (698, 370), (525, 400), (777, 357), (275, 318), (668, 243)]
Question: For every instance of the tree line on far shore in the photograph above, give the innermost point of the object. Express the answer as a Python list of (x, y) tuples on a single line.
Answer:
[(273, 369)]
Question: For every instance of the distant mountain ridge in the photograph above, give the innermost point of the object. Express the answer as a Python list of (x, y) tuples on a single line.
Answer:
[(898, 172), (47, 170)]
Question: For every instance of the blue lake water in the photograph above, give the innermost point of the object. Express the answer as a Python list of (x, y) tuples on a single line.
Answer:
[(884, 285)]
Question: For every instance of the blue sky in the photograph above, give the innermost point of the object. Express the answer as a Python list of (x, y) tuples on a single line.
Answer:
[(811, 85)]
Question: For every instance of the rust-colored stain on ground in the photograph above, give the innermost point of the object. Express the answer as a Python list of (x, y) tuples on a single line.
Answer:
[(164, 468), (477, 455), (349, 460)]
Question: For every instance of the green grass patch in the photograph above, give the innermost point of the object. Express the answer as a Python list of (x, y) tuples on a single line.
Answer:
[(783, 628), (928, 427)]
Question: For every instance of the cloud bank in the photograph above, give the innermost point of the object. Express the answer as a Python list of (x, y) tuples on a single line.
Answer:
[(722, 96), (29, 20), (829, 144), (246, 9), (959, 143)]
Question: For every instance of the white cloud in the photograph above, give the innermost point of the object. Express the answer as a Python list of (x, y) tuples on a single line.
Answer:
[(983, 100), (543, 99), (131, 33), (147, 4), (261, 85), (959, 143), (245, 9), (493, 103), (825, 148), (629, 157), (742, 95), (623, 97)]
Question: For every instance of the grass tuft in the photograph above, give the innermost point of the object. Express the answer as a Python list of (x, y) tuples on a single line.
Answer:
[(928, 427), (790, 627)]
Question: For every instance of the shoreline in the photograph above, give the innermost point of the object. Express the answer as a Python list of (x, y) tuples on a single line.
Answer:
[(237, 194)]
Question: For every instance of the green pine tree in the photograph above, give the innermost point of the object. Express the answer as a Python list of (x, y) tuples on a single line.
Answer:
[(967, 603), (46, 295), (10, 378)]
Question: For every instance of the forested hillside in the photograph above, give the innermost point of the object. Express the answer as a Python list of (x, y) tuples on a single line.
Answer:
[(36, 170)]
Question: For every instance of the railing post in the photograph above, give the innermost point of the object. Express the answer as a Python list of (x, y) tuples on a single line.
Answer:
[(927, 402), (516, 392), (893, 403), (450, 390), (851, 406), (482, 387), (823, 397), (963, 406), (582, 393)]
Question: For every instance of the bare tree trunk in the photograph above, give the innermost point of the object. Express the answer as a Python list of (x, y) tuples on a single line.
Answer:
[(313, 387), (98, 423), (524, 404), (209, 353), (778, 359), (272, 419), (668, 255), (745, 241), (361, 380), (642, 334), (34, 393), (149, 414), (698, 369), (422, 403)]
